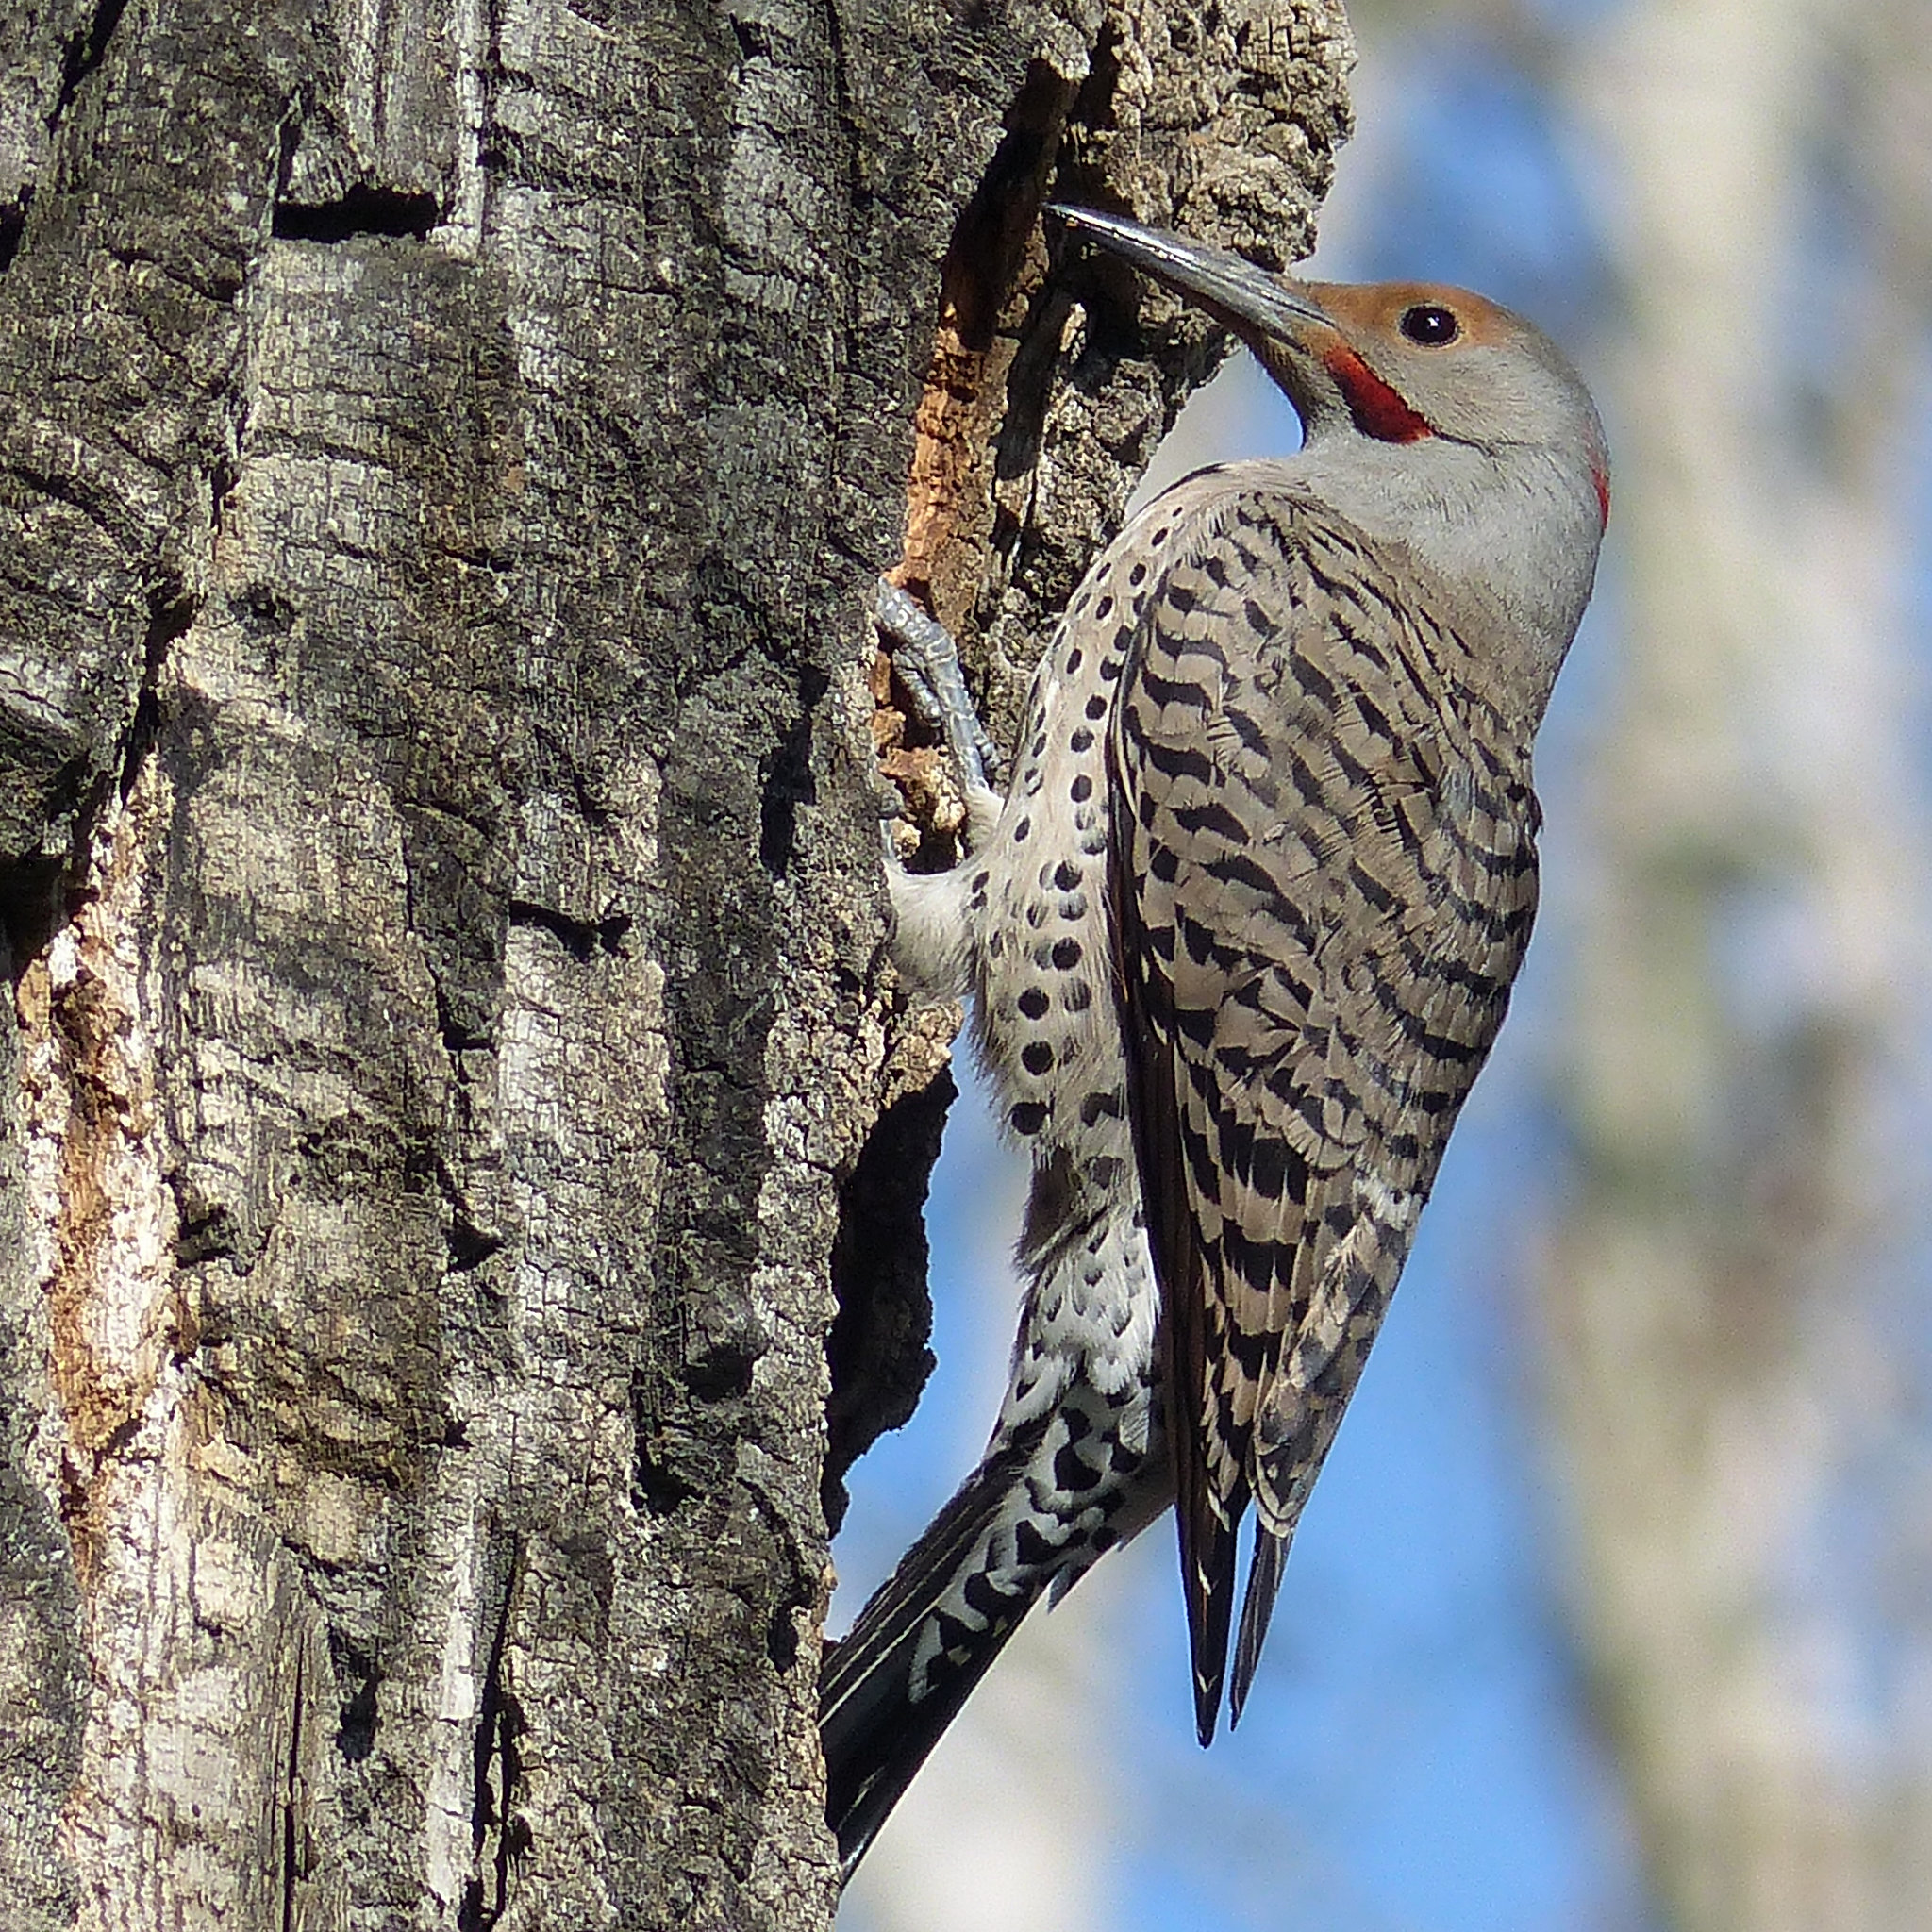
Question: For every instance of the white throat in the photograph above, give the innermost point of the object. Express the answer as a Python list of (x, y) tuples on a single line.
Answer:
[(1515, 523)]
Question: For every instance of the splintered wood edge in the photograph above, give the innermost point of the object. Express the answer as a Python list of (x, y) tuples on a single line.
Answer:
[(994, 265)]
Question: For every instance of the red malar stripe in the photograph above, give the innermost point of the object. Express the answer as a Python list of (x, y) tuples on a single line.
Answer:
[(1378, 411)]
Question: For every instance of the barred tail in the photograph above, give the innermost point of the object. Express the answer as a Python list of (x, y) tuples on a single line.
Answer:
[(889, 1690), (1055, 1491)]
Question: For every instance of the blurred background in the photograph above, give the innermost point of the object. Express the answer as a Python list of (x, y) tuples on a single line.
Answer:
[(1612, 1611)]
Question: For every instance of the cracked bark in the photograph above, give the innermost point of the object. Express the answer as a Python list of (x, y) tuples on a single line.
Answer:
[(442, 457)]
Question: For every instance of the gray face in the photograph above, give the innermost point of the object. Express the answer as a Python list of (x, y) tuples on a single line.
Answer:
[(1397, 360), (1434, 418)]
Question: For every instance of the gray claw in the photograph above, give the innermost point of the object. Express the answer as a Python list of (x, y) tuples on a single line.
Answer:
[(927, 661)]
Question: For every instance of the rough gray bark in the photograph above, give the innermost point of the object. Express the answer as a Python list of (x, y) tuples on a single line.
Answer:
[(442, 458)]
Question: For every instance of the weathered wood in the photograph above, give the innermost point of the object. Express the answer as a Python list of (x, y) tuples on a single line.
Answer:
[(442, 460)]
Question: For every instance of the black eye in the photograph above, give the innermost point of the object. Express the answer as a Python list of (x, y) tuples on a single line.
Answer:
[(1430, 323)]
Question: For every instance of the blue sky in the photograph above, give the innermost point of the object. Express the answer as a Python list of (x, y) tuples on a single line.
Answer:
[(1416, 1754)]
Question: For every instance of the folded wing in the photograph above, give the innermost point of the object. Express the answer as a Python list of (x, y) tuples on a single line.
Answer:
[(1322, 876)]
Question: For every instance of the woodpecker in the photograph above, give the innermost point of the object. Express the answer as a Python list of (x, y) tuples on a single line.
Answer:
[(1236, 942)]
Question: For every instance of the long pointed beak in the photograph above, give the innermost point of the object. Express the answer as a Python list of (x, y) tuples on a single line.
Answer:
[(1250, 299)]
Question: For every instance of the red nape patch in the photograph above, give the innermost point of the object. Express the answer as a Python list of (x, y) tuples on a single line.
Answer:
[(1601, 478), (1378, 411)]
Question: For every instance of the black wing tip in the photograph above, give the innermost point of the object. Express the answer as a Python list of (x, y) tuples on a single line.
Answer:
[(1257, 1607), (1207, 1707), (1210, 1606)]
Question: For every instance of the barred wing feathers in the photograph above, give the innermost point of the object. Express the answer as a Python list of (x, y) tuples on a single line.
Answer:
[(1323, 874)]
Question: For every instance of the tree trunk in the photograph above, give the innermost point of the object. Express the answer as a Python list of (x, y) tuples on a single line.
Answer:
[(443, 460)]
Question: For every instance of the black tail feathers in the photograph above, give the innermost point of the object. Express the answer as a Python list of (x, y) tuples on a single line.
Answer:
[(889, 1690)]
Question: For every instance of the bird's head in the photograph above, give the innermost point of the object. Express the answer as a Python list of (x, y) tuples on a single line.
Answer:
[(1431, 416)]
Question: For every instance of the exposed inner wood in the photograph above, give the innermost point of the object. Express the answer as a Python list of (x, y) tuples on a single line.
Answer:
[(992, 270)]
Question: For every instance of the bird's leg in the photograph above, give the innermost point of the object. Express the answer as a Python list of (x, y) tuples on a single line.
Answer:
[(927, 663), (933, 938)]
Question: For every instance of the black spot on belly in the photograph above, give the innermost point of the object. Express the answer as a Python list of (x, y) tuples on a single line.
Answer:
[(1036, 1056), (1028, 1117)]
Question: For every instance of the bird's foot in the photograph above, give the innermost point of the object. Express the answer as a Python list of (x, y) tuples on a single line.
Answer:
[(927, 663)]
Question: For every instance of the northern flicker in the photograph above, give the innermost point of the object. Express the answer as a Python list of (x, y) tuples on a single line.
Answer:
[(1237, 940)]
